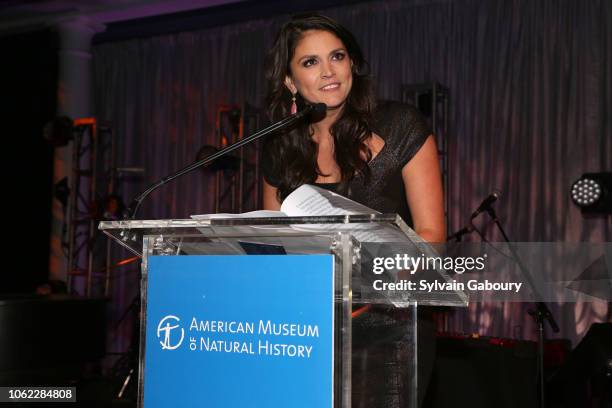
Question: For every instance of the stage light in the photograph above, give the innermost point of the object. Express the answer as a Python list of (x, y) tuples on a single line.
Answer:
[(586, 192), (592, 192)]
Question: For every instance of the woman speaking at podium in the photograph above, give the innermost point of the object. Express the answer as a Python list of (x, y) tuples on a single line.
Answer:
[(381, 156)]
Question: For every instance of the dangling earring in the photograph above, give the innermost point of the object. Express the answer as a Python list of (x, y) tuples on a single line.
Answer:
[(293, 105)]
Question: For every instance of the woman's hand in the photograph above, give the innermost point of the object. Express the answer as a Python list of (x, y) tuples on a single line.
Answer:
[(423, 185)]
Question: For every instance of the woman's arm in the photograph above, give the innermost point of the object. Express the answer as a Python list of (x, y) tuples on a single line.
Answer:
[(423, 185), (270, 198)]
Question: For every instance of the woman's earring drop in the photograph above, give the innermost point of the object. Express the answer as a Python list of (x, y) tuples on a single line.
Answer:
[(293, 105)]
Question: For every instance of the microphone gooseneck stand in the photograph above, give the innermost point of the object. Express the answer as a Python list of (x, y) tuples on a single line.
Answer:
[(318, 109), (540, 314)]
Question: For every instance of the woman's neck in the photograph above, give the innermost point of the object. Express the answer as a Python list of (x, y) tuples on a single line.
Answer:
[(321, 128)]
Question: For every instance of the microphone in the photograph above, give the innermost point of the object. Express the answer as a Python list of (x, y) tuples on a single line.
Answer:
[(317, 108), (486, 203), (457, 235)]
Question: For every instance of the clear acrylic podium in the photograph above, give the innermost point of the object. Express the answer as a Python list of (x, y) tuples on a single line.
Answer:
[(355, 241)]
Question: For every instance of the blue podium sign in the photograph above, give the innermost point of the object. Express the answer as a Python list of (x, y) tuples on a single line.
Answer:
[(239, 331)]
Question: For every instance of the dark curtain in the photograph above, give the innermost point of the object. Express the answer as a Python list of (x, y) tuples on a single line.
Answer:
[(29, 92), (530, 91)]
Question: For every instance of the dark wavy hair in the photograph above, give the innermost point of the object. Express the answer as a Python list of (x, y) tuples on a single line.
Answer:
[(292, 156)]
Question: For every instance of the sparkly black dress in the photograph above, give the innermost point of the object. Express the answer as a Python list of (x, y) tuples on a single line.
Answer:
[(379, 358)]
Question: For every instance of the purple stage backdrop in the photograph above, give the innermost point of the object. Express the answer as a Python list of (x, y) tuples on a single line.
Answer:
[(530, 89)]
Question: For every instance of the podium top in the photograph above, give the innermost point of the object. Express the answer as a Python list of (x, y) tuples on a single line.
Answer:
[(364, 228), (373, 236)]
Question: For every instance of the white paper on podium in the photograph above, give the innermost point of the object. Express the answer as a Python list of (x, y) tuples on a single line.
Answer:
[(309, 200)]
